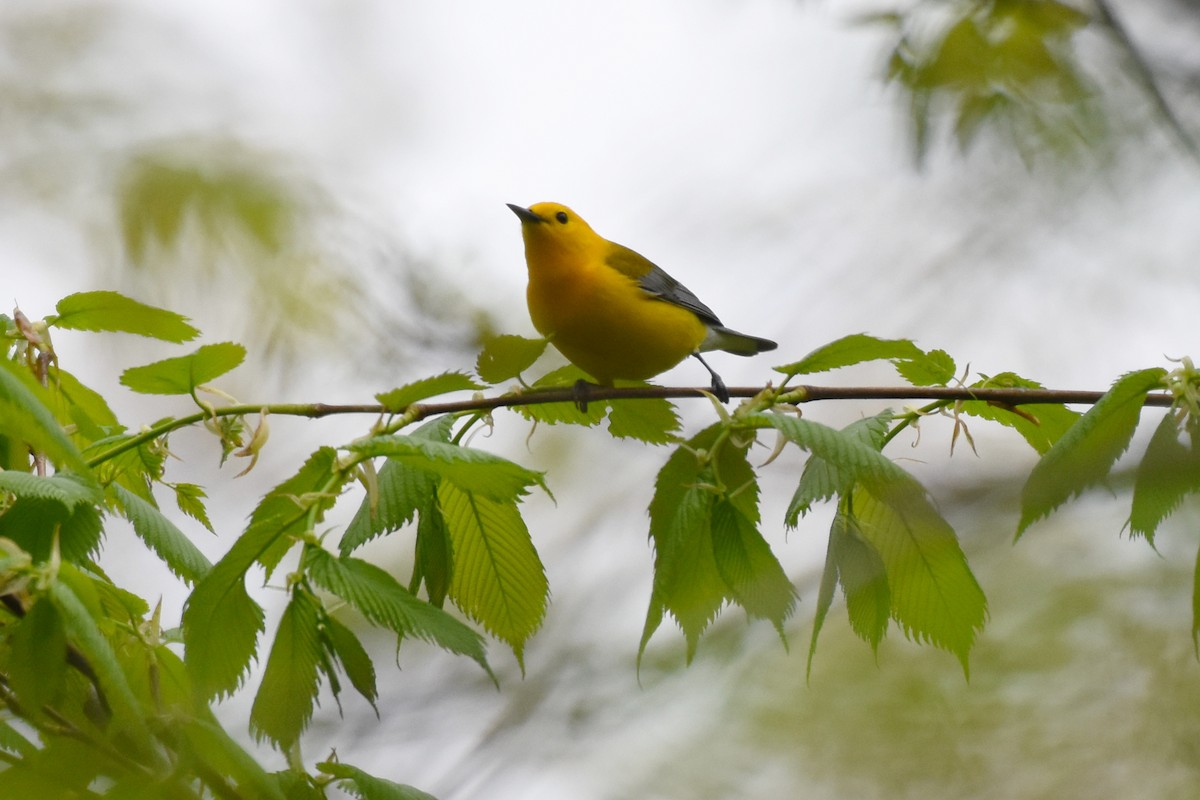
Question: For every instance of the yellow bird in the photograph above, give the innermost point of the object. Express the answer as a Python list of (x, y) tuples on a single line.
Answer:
[(612, 312)]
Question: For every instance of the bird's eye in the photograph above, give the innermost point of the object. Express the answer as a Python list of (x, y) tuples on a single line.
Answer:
[(561, 217)]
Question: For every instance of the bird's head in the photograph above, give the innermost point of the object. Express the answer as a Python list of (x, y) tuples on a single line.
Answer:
[(553, 226)]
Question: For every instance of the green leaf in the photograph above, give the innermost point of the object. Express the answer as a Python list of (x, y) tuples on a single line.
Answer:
[(368, 787), (853, 349), (397, 400), (190, 499), (290, 508), (61, 768), (160, 535), (25, 417), (753, 575), (183, 374), (1196, 606), (208, 743), (829, 583), (1041, 424), (935, 368), (864, 580), (353, 657), (687, 582), (1169, 471), (61, 505), (111, 311), (84, 633), (220, 622), (822, 479), (283, 705), (650, 420), (67, 491), (568, 413), (381, 599), (498, 580), (85, 408), (37, 663), (434, 557), (1086, 453), (472, 470), (401, 489), (935, 597), (506, 357), (13, 741)]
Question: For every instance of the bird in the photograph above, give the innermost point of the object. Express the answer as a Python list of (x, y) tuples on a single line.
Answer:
[(611, 311)]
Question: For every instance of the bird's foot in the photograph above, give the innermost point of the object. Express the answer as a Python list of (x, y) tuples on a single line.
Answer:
[(580, 391)]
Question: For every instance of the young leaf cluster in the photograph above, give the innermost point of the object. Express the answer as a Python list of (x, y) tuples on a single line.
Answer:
[(96, 691)]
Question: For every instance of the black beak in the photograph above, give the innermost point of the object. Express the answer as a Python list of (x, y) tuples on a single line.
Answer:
[(525, 214)]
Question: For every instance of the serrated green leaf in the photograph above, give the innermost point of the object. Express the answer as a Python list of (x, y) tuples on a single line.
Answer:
[(368, 787), (67, 491), (650, 420), (291, 507), (687, 582), (1041, 424), (498, 579), (471, 470), (1085, 454), (353, 657), (401, 489), (284, 702), (190, 500), (84, 407), (111, 311), (934, 596), (397, 400), (935, 368), (864, 580), (209, 744), (753, 575), (49, 508), (381, 599), (849, 350), (434, 557), (25, 416), (220, 622), (162, 536), (829, 583), (506, 357), (84, 633), (1170, 470), (183, 374), (36, 667), (822, 480), (13, 741)]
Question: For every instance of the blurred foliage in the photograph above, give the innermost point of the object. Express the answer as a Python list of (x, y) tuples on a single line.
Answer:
[(205, 222), (1011, 67), (159, 195), (1082, 688)]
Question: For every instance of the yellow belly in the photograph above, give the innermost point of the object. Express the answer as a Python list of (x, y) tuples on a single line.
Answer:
[(608, 327)]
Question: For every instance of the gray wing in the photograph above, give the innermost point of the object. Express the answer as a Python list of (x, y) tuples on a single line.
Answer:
[(654, 280)]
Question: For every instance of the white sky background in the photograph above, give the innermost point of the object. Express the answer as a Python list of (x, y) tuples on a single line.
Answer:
[(748, 149)]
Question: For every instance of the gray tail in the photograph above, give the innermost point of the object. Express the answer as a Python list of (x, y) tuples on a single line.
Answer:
[(741, 344)]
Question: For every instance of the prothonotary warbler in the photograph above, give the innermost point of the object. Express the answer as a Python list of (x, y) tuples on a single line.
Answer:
[(612, 312)]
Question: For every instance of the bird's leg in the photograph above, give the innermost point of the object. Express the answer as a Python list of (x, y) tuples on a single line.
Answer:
[(580, 391), (718, 385)]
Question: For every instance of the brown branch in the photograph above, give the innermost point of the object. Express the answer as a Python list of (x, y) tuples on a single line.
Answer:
[(792, 394)]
